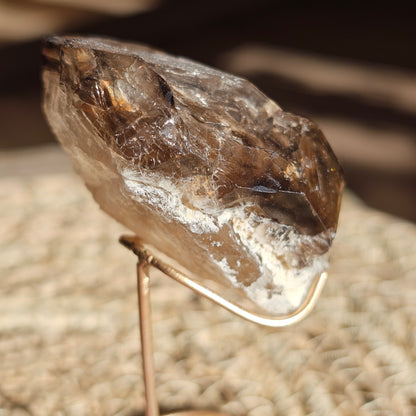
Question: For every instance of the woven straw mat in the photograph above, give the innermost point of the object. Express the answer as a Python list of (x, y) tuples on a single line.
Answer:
[(68, 322)]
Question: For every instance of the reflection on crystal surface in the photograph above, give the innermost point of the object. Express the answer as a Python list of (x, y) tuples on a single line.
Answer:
[(200, 164)]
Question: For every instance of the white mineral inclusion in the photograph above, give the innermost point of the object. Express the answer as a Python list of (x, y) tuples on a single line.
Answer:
[(279, 289), (166, 198)]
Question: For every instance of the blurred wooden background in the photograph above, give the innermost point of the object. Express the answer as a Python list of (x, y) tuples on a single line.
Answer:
[(351, 68)]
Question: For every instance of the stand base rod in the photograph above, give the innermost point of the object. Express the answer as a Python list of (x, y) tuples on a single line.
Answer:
[(143, 292)]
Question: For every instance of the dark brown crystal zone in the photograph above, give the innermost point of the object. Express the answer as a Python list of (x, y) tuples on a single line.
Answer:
[(180, 118)]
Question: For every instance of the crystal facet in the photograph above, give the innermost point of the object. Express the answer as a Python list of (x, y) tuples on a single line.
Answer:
[(207, 170)]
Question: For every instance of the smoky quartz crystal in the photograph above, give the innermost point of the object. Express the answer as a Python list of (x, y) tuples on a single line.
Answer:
[(211, 174)]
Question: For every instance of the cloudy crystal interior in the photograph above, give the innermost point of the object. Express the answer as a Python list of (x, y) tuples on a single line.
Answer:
[(212, 176)]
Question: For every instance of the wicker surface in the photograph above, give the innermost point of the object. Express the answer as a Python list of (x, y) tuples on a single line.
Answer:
[(68, 322)]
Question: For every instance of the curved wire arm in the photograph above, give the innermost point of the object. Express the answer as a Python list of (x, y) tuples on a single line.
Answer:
[(307, 305)]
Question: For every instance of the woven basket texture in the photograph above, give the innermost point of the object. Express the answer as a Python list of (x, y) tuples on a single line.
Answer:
[(68, 322)]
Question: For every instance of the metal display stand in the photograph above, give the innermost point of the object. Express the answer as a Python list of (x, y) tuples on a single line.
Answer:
[(145, 260)]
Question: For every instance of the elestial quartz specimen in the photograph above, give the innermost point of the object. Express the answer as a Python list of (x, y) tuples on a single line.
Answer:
[(208, 172)]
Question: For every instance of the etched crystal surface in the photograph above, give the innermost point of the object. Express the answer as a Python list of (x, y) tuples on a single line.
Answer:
[(200, 164)]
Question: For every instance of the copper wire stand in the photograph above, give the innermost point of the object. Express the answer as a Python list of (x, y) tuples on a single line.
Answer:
[(146, 259)]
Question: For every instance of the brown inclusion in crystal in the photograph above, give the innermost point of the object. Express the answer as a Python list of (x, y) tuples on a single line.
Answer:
[(146, 130)]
